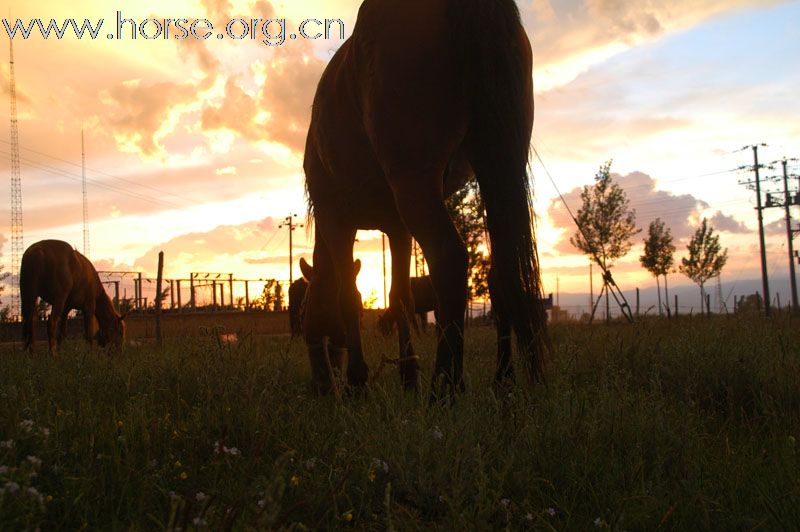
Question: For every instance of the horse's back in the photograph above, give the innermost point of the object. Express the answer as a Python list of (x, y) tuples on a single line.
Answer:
[(51, 269)]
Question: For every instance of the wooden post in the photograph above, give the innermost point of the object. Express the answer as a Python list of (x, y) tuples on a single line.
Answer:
[(230, 288), (192, 302), (159, 279), (637, 301), (116, 295), (708, 305), (247, 295), (214, 293), (178, 290), (676, 305), (140, 293), (171, 294)]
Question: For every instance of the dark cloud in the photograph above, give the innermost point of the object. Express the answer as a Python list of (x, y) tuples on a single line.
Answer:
[(724, 222)]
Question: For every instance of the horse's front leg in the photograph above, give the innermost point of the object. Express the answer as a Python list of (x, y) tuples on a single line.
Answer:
[(401, 306), (88, 322), (53, 324)]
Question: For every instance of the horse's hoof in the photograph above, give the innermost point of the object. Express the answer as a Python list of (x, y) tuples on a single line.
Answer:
[(358, 375)]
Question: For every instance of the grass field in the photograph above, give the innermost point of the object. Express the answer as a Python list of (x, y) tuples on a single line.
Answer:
[(666, 425)]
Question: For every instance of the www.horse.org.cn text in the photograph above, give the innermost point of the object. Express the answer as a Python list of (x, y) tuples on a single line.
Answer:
[(270, 31)]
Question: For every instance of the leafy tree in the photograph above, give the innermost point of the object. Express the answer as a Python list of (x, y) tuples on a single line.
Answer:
[(706, 258), (606, 222), (5, 311), (467, 210), (658, 256)]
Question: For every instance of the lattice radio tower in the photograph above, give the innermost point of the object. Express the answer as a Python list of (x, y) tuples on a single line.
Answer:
[(17, 246), (85, 202)]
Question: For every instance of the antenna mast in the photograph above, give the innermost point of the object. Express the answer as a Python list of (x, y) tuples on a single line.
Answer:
[(17, 245), (85, 202)]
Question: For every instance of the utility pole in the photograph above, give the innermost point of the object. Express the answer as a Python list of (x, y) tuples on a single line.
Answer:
[(289, 222), (788, 201), (761, 239)]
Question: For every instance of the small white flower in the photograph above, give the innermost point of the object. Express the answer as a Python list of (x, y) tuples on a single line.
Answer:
[(173, 496), (437, 434), (529, 516), (505, 502), (3, 470), (551, 512), (262, 503), (45, 432), (34, 461), (6, 444), (377, 463), (199, 522), (231, 451), (598, 522), (200, 496), (33, 491), (12, 487), (26, 425), (441, 498), (311, 463)]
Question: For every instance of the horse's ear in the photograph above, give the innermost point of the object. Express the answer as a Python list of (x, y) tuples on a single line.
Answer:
[(356, 267), (308, 271)]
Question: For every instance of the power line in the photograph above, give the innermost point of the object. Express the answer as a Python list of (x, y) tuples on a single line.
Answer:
[(96, 171), (75, 177)]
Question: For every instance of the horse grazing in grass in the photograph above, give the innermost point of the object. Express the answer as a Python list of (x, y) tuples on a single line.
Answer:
[(424, 301), (54, 271), (424, 94), (324, 373)]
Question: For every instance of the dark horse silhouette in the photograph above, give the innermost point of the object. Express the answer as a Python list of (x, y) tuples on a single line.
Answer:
[(297, 295), (54, 271), (424, 301), (424, 94)]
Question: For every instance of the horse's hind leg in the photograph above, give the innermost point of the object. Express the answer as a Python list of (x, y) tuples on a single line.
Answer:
[(505, 367), (423, 210), (402, 306)]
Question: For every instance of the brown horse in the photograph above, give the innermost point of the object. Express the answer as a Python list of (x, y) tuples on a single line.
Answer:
[(422, 95), (54, 271)]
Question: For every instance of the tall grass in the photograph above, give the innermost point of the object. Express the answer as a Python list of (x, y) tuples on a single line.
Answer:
[(690, 424)]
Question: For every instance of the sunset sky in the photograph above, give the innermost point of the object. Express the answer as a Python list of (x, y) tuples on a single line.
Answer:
[(195, 147)]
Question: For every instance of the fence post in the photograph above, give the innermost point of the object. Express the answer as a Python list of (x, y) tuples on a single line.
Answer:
[(676, 305), (230, 288), (159, 279), (178, 288), (637, 301), (247, 295), (708, 305)]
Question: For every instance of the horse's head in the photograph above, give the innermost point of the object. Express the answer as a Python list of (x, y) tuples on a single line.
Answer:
[(316, 281), (112, 332)]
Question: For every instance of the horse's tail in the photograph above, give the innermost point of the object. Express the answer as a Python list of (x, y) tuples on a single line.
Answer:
[(494, 55)]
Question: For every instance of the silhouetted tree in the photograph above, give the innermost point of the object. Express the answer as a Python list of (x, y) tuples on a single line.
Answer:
[(606, 222), (658, 256), (467, 211), (706, 258)]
